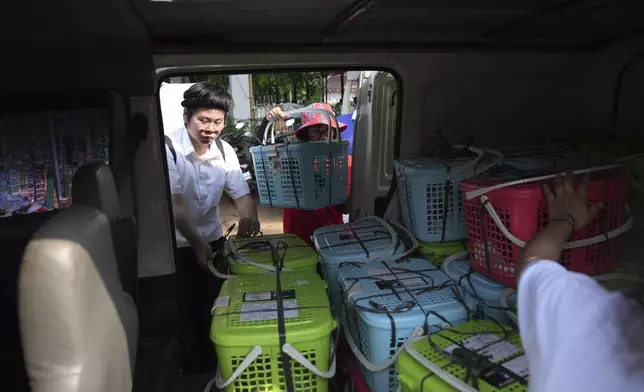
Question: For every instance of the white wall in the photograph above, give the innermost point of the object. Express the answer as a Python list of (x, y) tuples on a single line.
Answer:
[(240, 90), (171, 95)]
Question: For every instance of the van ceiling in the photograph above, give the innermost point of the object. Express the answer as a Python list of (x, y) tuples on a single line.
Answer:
[(545, 24)]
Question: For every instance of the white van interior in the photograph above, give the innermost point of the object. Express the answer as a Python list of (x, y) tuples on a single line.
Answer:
[(496, 73)]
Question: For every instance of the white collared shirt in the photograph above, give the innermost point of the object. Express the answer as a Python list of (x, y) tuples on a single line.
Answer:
[(201, 181)]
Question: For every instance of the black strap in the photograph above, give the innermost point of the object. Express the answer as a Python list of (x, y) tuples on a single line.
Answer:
[(137, 133), (168, 142), (281, 324), (220, 146)]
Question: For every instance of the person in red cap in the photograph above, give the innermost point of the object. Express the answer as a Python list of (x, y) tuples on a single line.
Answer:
[(315, 127)]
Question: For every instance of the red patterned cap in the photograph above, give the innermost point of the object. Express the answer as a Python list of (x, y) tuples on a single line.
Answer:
[(309, 119)]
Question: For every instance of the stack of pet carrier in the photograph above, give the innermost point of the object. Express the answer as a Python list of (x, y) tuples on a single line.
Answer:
[(271, 322), (365, 240), (387, 303)]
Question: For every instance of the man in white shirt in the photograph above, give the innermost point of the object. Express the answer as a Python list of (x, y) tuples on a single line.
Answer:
[(577, 335), (200, 169)]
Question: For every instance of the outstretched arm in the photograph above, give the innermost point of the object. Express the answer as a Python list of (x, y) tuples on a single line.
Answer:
[(568, 210)]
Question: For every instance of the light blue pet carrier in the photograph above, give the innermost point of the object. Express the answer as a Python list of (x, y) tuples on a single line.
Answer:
[(386, 303), (365, 240), (539, 159), (430, 200), (303, 175), (475, 287)]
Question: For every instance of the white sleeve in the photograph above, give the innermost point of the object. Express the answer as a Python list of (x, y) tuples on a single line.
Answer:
[(558, 313), (236, 185), (176, 186)]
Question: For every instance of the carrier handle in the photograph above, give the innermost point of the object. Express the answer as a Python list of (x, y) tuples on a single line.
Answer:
[(326, 113), (408, 233), (471, 165), (250, 358), (617, 275), (384, 364), (293, 353), (454, 257), (505, 294), (568, 245), (480, 192), (392, 234), (238, 258), (213, 270), (445, 376)]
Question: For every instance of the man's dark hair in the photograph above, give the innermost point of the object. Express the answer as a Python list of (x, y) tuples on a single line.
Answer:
[(205, 95)]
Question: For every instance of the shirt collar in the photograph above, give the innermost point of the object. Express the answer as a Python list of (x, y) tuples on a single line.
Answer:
[(188, 149)]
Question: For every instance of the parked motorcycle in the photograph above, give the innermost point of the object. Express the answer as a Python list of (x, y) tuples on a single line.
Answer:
[(241, 142)]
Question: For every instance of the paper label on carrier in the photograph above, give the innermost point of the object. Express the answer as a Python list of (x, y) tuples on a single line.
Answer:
[(518, 365), (267, 311), (408, 279), (268, 295), (495, 349), (261, 296), (222, 302)]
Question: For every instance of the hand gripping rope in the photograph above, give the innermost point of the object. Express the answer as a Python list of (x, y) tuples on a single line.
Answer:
[(485, 202)]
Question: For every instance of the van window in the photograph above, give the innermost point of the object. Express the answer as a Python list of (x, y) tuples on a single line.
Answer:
[(41, 151), (365, 101)]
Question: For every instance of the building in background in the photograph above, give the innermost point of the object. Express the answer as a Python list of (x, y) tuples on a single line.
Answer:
[(334, 87)]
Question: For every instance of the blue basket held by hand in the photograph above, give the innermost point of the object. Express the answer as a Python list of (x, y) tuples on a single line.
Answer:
[(303, 175), (388, 302)]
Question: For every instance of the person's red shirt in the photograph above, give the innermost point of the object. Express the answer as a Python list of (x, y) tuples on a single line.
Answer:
[(304, 222)]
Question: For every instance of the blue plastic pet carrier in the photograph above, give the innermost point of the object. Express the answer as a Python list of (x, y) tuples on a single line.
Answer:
[(430, 200), (366, 239), (476, 288), (387, 302), (303, 175)]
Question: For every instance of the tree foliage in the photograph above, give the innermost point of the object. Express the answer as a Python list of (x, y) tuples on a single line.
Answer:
[(297, 87), (276, 88)]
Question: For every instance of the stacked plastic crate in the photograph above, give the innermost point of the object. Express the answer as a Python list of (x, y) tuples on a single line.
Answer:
[(500, 209)]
